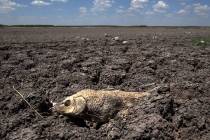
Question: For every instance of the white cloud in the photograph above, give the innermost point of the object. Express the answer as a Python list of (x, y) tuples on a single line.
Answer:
[(8, 6), (40, 3), (201, 10), (186, 10), (182, 12), (101, 5), (120, 10), (83, 11), (183, 3), (149, 13), (160, 7), (59, 0), (46, 2), (137, 4)]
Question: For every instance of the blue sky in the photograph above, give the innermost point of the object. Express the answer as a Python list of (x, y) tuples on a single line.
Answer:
[(106, 12)]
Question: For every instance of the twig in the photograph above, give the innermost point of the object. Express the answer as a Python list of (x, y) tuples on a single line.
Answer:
[(154, 89), (28, 103), (147, 85)]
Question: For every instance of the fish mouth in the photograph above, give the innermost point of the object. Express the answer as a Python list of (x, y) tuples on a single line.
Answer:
[(62, 109), (57, 107)]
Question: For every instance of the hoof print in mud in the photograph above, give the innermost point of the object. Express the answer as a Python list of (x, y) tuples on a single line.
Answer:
[(67, 64), (28, 64), (111, 77), (167, 109), (42, 105)]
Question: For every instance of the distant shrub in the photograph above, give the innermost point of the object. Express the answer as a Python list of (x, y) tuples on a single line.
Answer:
[(201, 41), (32, 26), (2, 25)]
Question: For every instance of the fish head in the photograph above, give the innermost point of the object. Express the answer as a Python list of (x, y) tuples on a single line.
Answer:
[(71, 106)]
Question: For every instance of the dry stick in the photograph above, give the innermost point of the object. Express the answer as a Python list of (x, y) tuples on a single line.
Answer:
[(28, 103), (147, 85), (154, 89)]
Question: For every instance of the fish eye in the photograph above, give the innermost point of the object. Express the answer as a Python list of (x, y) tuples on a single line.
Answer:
[(67, 103)]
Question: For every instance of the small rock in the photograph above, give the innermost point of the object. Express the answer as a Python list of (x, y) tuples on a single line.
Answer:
[(85, 39), (187, 32), (77, 37), (117, 38), (106, 35), (125, 42), (154, 37)]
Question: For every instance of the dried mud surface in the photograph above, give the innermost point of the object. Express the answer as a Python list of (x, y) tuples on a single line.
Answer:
[(51, 63)]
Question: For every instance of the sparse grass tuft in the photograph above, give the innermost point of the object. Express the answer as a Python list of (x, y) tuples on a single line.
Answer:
[(201, 41)]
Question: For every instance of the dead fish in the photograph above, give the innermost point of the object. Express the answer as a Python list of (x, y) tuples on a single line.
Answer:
[(97, 105)]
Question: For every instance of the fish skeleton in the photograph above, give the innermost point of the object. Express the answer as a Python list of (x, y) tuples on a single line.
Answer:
[(97, 105)]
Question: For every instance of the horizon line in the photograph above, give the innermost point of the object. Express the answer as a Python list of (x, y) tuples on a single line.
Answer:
[(97, 25)]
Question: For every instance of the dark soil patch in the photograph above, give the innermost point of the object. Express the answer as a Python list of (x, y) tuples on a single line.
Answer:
[(48, 64)]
